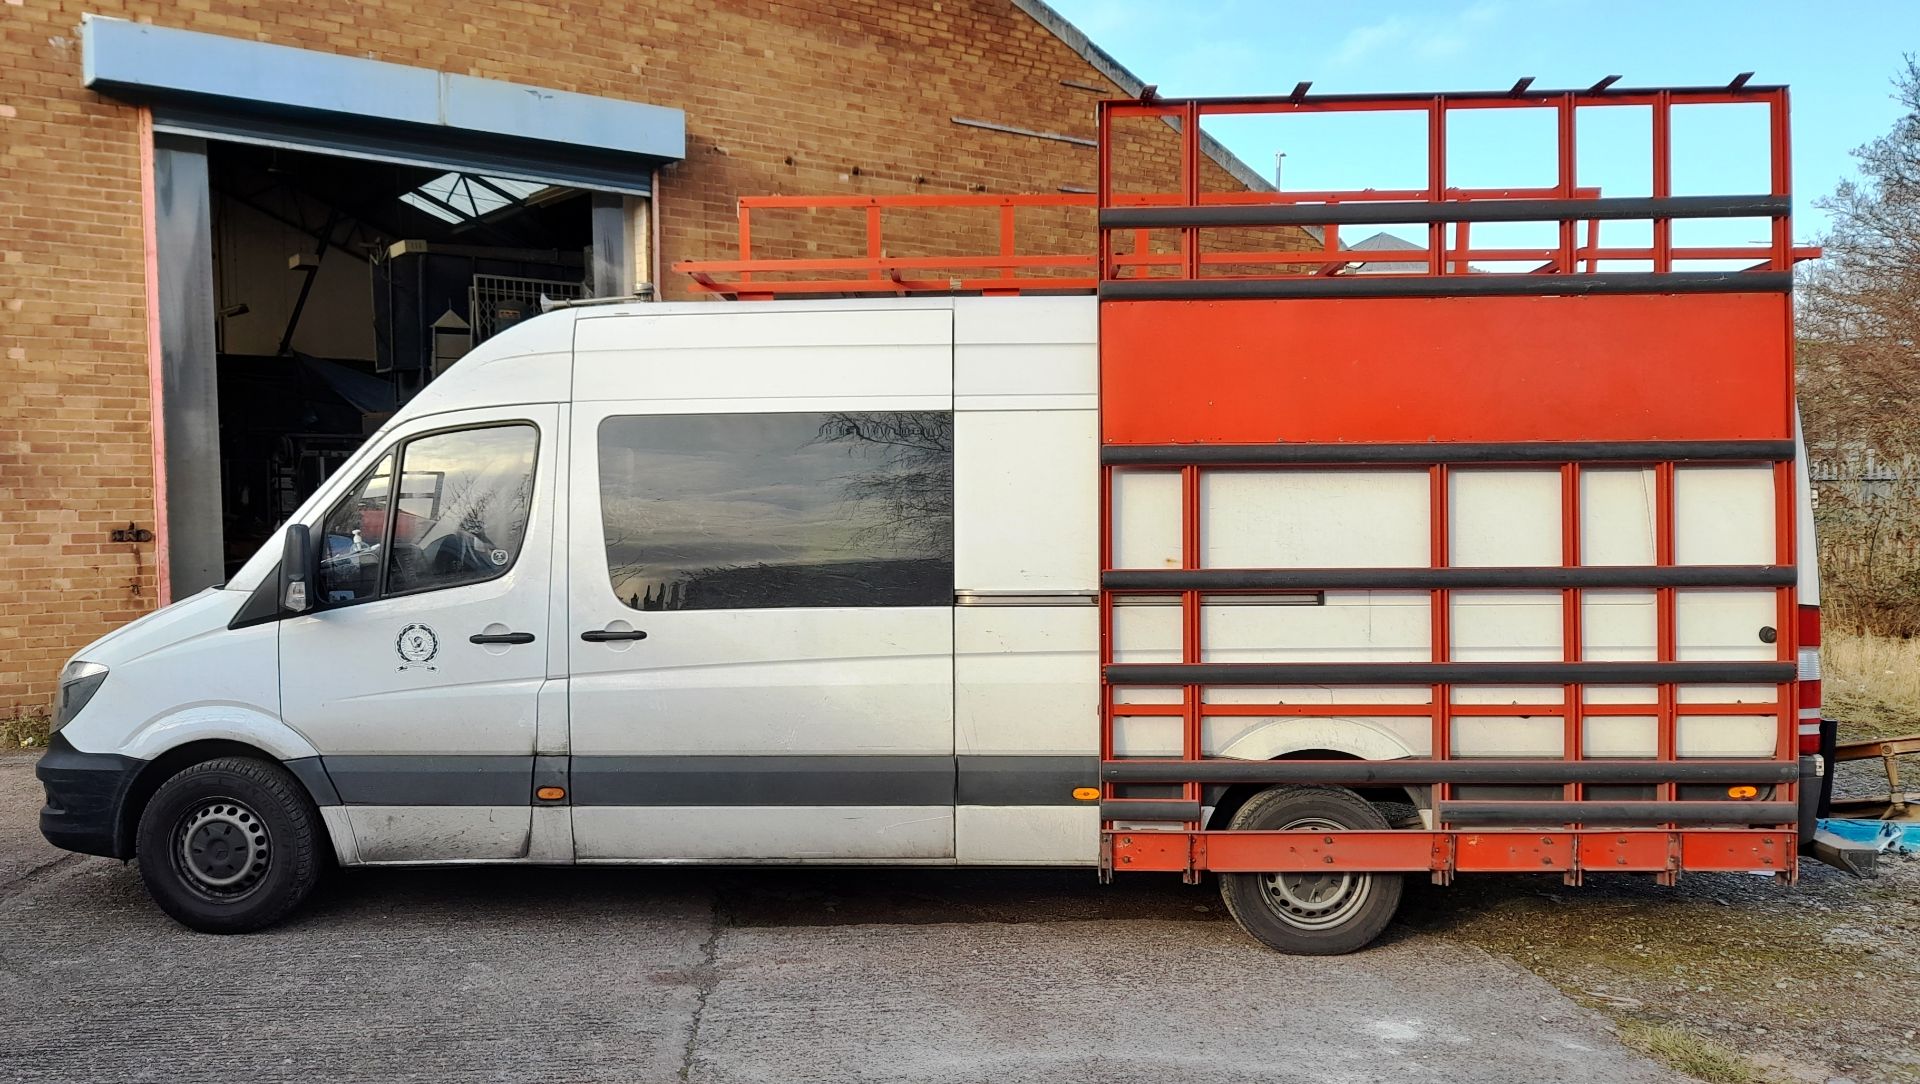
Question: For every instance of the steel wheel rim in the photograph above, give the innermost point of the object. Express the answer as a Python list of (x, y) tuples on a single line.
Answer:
[(222, 849), (1315, 901)]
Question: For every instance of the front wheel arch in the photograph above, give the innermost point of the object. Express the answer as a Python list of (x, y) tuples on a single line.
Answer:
[(164, 767)]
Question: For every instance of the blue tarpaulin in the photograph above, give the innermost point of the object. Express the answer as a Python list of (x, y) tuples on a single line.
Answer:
[(1885, 835)]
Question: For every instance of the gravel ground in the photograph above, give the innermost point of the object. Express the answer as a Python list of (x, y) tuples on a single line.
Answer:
[(717, 976), (1805, 982)]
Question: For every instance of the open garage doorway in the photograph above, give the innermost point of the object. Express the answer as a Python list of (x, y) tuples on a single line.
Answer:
[(342, 286)]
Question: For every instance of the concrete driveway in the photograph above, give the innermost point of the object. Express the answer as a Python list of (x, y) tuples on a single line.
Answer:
[(779, 976)]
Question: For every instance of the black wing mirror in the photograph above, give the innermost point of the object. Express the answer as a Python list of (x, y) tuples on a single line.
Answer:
[(296, 570)]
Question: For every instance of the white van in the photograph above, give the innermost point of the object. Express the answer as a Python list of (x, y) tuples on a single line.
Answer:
[(764, 582), (656, 583)]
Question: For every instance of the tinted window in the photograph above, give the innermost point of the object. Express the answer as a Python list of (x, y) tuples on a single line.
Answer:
[(460, 512), (351, 538), (736, 511)]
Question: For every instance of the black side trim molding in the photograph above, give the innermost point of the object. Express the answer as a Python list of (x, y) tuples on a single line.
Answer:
[(1582, 451), (550, 770), (1235, 579), (1024, 780), (1432, 673), (995, 780), (377, 779), (762, 780), (313, 775), (1361, 286)]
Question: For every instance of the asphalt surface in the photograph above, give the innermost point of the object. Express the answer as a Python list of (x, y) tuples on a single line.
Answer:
[(724, 976)]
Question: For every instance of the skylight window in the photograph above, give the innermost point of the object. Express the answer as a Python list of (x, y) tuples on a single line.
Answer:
[(462, 197)]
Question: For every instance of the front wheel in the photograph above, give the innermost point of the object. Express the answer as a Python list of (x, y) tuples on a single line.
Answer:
[(1311, 914), (229, 845)]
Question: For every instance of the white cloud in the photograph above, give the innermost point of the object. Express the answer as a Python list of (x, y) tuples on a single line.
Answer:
[(1364, 41), (1430, 36)]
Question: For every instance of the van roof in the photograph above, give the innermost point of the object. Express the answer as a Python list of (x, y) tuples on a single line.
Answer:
[(531, 362)]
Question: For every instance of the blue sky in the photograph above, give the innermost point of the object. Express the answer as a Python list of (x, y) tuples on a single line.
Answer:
[(1838, 57)]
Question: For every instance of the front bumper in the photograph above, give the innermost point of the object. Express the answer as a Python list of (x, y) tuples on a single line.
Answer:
[(84, 796)]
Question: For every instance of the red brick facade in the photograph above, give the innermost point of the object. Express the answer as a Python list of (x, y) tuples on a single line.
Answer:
[(810, 96)]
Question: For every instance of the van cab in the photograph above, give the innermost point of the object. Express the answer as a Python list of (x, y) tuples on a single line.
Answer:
[(639, 583)]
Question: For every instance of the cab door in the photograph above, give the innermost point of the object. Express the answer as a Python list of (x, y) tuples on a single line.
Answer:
[(418, 673), (760, 587)]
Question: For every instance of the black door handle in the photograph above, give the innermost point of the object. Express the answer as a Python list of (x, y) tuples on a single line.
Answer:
[(501, 638), (601, 636)]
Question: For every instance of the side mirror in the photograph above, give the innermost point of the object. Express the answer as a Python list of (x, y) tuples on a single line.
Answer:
[(296, 569)]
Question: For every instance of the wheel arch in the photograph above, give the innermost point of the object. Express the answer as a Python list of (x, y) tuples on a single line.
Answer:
[(1315, 739), (156, 771)]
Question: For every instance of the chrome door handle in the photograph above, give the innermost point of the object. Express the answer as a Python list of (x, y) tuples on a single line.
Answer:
[(601, 636), (501, 638)]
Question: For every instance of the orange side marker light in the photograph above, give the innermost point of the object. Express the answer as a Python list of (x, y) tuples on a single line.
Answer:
[(1086, 794), (1742, 792), (550, 794)]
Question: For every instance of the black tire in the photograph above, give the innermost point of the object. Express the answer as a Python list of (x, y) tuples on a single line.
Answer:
[(1311, 914), (229, 845)]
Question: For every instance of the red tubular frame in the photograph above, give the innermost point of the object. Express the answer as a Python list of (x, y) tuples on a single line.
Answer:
[(1441, 850)]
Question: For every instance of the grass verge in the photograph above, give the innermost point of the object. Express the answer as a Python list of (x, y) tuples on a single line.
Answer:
[(1694, 1055), (1871, 684)]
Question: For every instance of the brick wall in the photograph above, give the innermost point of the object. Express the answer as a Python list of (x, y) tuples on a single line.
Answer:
[(803, 97)]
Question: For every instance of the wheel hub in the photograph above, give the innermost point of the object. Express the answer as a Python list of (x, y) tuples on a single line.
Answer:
[(1315, 900), (223, 847)]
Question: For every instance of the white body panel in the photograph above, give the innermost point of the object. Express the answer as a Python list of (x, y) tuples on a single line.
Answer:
[(771, 681)]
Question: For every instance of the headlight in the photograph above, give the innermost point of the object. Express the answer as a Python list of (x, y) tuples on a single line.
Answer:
[(78, 682)]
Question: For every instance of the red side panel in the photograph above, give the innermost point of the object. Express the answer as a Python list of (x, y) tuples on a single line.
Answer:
[(1630, 367)]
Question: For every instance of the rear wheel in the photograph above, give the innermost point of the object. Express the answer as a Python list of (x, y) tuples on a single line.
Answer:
[(1311, 914), (229, 845)]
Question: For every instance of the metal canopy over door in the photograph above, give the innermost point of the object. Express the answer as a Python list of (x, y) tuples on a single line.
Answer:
[(226, 88), (754, 674)]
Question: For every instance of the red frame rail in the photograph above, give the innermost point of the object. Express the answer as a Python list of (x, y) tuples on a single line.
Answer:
[(1576, 209)]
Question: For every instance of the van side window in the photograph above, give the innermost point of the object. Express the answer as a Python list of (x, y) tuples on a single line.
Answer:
[(351, 536), (750, 511), (460, 509)]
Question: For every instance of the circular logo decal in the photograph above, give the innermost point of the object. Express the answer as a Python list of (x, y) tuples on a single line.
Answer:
[(417, 644), (500, 557)]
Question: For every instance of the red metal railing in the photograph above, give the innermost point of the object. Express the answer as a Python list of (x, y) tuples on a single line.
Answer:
[(1127, 234), (1576, 210), (1001, 269)]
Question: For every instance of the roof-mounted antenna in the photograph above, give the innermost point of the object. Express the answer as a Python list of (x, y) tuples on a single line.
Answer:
[(1148, 93), (1602, 85), (1520, 85), (1739, 81), (1300, 90)]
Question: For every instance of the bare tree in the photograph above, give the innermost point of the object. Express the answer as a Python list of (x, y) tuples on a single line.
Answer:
[(906, 497), (1859, 366)]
